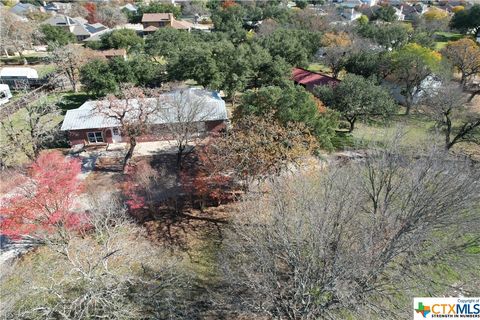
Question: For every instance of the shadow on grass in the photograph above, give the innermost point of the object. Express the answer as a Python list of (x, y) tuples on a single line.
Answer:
[(73, 101)]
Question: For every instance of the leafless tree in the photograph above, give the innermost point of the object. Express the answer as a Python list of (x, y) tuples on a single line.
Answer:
[(110, 16), (113, 272), (133, 112), (446, 104), (14, 33), (69, 59), (32, 128), (183, 113), (349, 242), (77, 10)]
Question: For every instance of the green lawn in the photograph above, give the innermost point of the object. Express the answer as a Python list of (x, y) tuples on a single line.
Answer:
[(414, 130), (443, 38), (318, 67), (66, 102), (73, 100)]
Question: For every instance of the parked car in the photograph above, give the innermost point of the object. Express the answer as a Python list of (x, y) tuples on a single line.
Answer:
[(5, 93)]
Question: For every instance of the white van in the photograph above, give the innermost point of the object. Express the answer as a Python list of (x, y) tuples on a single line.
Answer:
[(5, 93)]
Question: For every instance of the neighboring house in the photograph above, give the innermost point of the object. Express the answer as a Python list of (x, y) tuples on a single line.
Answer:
[(57, 7), (153, 21), (309, 80), (129, 8), (18, 73), (19, 77), (369, 11), (86, 126), (409, 12), (351, 14), (22, 9), (138, 28), (399, 13), (370, 3), (428, 83), (352, 4), (78, 27)]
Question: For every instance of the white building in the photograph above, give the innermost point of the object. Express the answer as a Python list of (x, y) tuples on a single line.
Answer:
[(18, 73)]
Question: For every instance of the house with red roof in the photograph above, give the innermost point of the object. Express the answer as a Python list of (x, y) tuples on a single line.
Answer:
[(309, 79)]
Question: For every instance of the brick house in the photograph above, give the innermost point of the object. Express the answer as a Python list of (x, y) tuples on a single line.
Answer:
[(86, 126), (153, 21)]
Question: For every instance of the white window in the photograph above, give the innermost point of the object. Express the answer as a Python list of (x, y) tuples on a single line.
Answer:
[(116, 131), (95, 137)]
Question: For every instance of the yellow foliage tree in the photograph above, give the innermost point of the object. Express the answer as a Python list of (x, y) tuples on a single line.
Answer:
[(435, 14), (458, 9), (464, 54)]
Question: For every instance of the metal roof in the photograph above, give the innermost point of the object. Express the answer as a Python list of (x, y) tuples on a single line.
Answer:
[(191, 105), (20, 72)]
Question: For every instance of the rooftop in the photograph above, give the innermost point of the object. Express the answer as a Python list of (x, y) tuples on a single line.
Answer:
[(210, 107), (309, 78), (154, 17)]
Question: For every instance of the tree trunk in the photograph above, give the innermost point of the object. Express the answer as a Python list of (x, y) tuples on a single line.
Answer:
[(128, 156), (409, 94), (25, 62), (465, 130), (181, 148), (448, 130), (351, 121), (408, 105), (473, 95)]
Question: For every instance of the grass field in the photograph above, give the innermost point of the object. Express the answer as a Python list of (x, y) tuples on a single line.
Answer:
[(443, 38), (65, 101)]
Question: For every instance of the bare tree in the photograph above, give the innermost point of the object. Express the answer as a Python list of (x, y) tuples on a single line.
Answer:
[(446, 104), (343, 243), (69, 59), (32, 128), (110, 16), (183, 113), (132, 110), (112, 272), (15, 34)]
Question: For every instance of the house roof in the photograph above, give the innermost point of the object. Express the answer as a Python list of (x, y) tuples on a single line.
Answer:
[(60, 20), (150, 29), (309, 78), (155, 17), (211, 107), (130, 7), (181, 24), (23, 8), (24, 72)]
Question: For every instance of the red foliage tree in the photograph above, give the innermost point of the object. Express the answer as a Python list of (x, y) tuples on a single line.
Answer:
[(44, 205), (131, 190), (228, 3), (203, 181), (92, 12)]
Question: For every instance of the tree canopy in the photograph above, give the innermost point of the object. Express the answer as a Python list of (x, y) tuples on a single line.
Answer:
[(411, 65), (122, 39), (466, 20), (289, 104), (357, 97), (56, 35)]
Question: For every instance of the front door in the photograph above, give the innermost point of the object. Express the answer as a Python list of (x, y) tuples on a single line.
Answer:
[(116, 137)]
